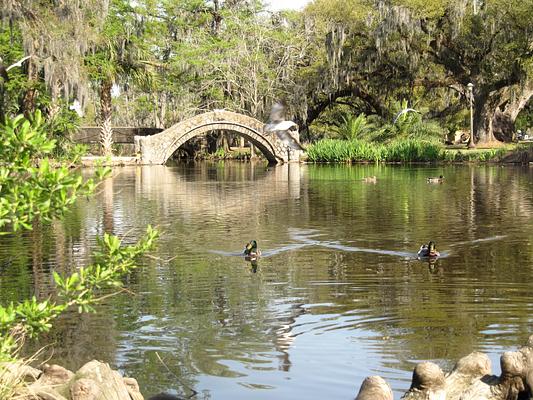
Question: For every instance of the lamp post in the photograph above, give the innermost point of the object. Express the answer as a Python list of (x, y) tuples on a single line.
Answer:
[(471, 143)]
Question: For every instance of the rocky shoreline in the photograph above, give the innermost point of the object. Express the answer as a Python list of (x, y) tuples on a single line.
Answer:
[(470, 379), (94, 381)]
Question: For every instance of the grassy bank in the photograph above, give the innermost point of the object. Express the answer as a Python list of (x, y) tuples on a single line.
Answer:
[(403, 150)]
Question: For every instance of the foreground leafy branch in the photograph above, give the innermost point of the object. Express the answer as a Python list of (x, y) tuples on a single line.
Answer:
[(81, 289), (31, 186), (35, 188)]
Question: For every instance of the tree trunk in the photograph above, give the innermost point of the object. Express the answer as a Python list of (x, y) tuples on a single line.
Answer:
[(162, 110), (225, 144), (108, 210), (106, 131), (222, 141), (29, 100), (2, 100), (508, 110), (485, 106), (54, 108), (217, 17)]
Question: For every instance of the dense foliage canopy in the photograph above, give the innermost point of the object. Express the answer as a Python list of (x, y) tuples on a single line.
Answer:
[(155, 62)]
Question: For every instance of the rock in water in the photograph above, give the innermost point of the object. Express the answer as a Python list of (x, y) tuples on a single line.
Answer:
[(375, 388), (106, 383)]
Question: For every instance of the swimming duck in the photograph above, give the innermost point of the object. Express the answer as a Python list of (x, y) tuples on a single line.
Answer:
[(251, 250), (428, 251), (440, 179), (370, 179)]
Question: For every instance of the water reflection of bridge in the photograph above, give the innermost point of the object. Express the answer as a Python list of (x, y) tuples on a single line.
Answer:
[(201, 192)]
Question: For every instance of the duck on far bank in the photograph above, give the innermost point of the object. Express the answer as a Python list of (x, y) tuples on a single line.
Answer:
[(251, 250), (370, 179), (439, 179), (428, 251)]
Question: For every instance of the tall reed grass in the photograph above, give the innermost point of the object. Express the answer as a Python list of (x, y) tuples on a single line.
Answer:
[(399, 150)]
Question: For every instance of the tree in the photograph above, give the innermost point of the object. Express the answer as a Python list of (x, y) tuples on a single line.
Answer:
[(490, 48), (424, 52), (12, 82), (118, 58), (258, 63), (342, 64), (56, 35), (30, 186)]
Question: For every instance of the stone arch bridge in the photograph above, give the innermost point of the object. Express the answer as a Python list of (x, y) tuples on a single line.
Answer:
[(279, 142)]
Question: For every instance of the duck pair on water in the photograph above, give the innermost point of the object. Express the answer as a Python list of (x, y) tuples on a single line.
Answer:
[(426, 250)]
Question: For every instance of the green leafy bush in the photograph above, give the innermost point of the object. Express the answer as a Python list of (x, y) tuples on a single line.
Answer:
[(33, 187), (79, 289), (474, 155)]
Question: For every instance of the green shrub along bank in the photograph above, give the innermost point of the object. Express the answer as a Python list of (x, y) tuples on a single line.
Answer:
[(400, 150), (410, 150), (475, 155)]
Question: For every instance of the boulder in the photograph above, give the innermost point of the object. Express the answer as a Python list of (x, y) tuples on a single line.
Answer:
[(375, 388), (85, 389), (97, 381), (133, 388), (428, 383), (466, 373)]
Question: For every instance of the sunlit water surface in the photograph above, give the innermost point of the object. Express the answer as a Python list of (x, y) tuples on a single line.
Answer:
[(338, 294)]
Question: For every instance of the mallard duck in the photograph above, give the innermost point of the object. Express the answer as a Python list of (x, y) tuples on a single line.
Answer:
[(370, 179), (428, 251), (439, 179), (251, 250)]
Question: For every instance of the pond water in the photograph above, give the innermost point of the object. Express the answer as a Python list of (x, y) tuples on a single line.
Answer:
[(338, 294)]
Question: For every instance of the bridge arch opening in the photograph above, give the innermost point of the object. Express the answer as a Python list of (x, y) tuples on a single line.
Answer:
[(247, 133)]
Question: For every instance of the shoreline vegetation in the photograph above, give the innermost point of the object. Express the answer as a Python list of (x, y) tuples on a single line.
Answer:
[(412, 151), (339, 151)]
